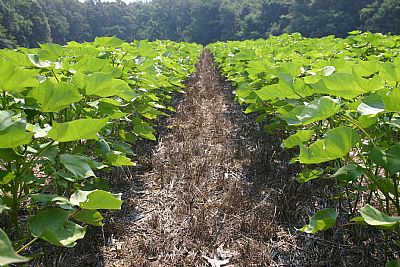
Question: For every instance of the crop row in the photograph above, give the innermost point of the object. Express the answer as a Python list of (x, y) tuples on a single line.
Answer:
[(68, 112), (338, 103)]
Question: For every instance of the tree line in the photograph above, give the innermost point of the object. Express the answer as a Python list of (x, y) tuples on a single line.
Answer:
[(29, 22)]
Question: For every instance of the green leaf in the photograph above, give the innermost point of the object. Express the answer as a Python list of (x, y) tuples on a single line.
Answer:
[(6, 119), (6, 177), (115, 158), (9, 154), (95, 200), (102, 200), (15, 135), (55, 97), (143, 129), (390, 72), (298, 138), (108, 41), (7, 253), (393, 263), (43, 197), (371, 105), (52, 51), (35, 60), (319, 109), (349, 173), (391, 99), (287, 88), (77, 130), (322, 220), (337, 144), (53, 226), (103, 85), (308, 175), (346, 85), (390, 159), (92, 217), (374, 217), (78, 165), (15, 79), (90, 65)]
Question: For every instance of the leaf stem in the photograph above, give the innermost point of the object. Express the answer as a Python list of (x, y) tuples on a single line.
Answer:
[(27, 245)]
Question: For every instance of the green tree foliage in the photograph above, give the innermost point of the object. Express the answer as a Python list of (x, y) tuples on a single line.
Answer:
[(7, 25), (317, 18), (33, 25), (382, 16), (27, 22)]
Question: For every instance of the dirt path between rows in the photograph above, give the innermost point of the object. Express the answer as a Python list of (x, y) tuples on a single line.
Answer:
[(217, 189), (199, 199)]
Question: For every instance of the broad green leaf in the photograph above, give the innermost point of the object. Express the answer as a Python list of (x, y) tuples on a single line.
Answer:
[(55, 97), (103, 85), (349, 173), (7, 253), (53, 226), (367, 121), (391, 99), (117, 159), (390, 72), (308, 175), (285, 89), (371, 105), (108, 41), (322, 220), (319, 109), (337, 144), (346, 85), (79, 197), (6, 119), (16, 79), (390, 159), (78, 165), (298, 138), (123, 147), (95, 200), (52, 51), (90, 65), (15, 135), (143, 129), (77, 130), (92, 217), (374, 217), (100, 199), (37, 62), (366, 68)]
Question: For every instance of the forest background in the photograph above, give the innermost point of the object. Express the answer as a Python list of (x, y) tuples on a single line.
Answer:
[(29, 22)]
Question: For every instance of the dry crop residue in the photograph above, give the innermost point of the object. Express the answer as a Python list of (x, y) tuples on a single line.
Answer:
[(197, 199)]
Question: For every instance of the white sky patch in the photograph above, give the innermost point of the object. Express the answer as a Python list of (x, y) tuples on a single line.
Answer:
[(126, 1)]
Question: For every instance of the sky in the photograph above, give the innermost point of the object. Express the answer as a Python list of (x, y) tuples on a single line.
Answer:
[(126, 1)]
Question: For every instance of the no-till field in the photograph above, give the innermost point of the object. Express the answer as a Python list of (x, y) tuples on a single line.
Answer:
[(216, 189)]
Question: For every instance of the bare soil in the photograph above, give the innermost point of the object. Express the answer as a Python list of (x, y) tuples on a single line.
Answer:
[(217, 188)]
